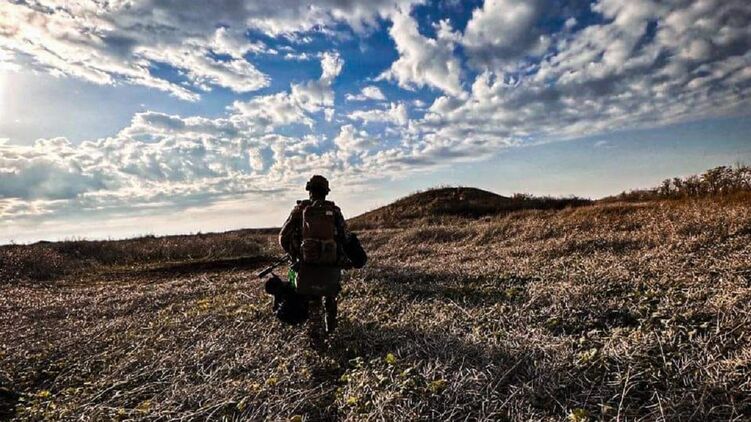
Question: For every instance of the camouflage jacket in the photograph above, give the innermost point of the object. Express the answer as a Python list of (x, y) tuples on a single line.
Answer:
[(290, 237)]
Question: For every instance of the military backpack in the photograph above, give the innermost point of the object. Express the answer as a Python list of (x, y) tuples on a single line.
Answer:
[(319, 233)]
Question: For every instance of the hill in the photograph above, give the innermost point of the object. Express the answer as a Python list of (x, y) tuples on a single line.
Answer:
[(445, 203)]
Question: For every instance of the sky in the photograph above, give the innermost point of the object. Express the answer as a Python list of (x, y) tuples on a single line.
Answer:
[(129, 117)]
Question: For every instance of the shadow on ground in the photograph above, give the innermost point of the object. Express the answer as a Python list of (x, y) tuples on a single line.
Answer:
[(8, 401), (177, 269), (358, 344)]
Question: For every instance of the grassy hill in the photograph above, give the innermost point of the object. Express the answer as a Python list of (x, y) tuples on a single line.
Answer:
[(441, 205), (622, 310)]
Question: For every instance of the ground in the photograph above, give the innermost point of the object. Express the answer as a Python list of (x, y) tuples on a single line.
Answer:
[(625, 311)]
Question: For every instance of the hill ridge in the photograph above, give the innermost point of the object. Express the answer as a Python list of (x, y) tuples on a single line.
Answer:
[(439, 203)]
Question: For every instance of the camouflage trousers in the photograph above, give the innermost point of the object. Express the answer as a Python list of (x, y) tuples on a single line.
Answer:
[(321, 318)]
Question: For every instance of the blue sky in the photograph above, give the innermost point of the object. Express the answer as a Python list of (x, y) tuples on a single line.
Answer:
[(122, 119)]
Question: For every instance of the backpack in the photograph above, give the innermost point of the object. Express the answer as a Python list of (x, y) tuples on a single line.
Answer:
[(319, 233)]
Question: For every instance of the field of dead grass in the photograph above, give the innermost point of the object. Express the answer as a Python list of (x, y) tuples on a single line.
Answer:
[(634, 311)]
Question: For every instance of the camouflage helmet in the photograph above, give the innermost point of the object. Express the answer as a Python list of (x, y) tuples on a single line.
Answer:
[(318, 183)]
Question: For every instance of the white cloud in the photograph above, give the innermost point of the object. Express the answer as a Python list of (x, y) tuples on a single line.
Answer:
[(203, 71), (299, 56), (609, 76), (501, 31), (396, 114), (289, 16), (269, 112), (162, 158), (236, 44), (266, 113), (113, 42), (422, 61), (352, 140), (369, 92), (332, 64)]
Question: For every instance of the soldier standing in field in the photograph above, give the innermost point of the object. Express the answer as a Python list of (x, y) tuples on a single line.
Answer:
[(313, 236)]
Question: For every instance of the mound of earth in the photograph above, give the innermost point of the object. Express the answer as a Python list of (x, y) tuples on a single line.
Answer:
[(460, 201), (438, 204)]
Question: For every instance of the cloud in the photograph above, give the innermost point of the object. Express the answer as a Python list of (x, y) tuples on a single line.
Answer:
[(181, 161), (288, 16), (331, 65), (352, 140), (204, 71), (369, 92), (116, 42), (236, 44), (162, 158), (502, 31), (422, 61), (396, 114), (268, 112), (619, 74)]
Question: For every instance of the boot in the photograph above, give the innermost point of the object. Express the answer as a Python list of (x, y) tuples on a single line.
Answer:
[(331, 310), (316, 329)]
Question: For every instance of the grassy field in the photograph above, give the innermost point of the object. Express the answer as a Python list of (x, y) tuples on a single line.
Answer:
[(622, 311)]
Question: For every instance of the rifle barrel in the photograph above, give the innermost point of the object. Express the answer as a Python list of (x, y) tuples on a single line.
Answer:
[(271, 267)]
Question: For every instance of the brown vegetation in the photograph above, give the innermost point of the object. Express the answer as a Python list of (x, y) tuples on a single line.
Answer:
[(50, 260), (625, 311), (719, 181)]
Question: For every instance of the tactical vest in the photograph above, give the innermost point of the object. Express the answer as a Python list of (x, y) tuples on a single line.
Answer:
[(319, 233)]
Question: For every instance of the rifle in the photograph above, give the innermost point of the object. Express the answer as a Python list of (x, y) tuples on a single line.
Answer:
[(270, 268)]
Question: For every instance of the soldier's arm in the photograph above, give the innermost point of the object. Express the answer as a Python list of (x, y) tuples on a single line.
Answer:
[(341, 224), (342, 231), (287, 234)]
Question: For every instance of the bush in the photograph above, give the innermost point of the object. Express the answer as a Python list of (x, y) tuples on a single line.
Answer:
[(719, 181)]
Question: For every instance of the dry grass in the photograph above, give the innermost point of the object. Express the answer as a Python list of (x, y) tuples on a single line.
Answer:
[(48, 261), (618, 311)]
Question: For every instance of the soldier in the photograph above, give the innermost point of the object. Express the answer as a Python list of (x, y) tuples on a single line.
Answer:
[(313, 236)]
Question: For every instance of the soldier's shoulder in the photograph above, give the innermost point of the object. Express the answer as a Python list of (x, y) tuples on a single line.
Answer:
[(332, 205), (336, 208), (300, 205)]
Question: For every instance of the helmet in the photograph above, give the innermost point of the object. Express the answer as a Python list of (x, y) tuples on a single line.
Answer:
[(318, 183)]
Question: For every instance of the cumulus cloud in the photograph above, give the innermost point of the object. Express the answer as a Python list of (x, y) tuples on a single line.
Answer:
[(369, 92), (268, 112), (236, 44), (160, 156), (501, 31), (203, 71), (353, 140), (613, 75), (183, 158), (422, 61), (396, 114), (295, 15)]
